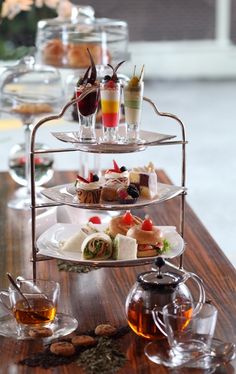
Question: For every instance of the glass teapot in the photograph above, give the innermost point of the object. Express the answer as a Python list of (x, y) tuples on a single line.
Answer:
[(156, 289)]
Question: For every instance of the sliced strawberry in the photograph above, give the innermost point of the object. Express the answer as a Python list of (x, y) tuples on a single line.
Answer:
[(90, 178), (82, 179), (127, 218), (116, 167), (147, 225), (95, 219)]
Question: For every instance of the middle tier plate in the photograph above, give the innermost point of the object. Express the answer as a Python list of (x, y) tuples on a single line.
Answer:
[(66, 194)]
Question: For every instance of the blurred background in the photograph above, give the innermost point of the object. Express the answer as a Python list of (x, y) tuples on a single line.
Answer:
[(189, 51)]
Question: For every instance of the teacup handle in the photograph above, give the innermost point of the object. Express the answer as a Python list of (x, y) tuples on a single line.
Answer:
[(5, 294), (159, 323)]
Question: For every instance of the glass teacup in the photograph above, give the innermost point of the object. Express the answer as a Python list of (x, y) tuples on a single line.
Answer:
[(189, 328), (36, 308)]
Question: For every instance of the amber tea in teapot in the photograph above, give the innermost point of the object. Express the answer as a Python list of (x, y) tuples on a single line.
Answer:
[(141, 321)]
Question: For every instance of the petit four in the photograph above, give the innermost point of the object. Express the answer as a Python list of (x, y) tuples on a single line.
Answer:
[(146, 180), (88, 190), (128, 195), (114, 179)]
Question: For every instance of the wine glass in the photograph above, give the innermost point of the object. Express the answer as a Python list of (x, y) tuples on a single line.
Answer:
[(29, 91)]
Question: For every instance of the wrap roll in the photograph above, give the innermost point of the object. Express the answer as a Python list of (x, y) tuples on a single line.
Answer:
[(97, 246)]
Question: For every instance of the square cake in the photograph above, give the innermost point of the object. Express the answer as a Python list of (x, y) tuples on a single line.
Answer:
[(145, 179)]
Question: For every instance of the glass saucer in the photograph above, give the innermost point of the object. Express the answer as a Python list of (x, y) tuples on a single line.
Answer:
[(63, 325), (160, 353)]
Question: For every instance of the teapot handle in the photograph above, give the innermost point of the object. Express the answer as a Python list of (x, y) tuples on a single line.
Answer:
[(198, 280), (159, 323)]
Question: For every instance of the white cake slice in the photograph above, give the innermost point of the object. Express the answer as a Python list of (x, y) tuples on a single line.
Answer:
[(124, 248)]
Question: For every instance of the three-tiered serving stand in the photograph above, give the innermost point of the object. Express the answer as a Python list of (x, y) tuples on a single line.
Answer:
[(102, 148)]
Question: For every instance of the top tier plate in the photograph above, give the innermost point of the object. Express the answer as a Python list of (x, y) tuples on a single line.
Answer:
[(147, 138)]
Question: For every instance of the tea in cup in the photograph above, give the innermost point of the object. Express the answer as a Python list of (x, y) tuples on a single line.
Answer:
[(189, 328), (36, 308)]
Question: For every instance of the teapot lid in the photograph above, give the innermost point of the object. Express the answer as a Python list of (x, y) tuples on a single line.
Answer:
[(158, 279)]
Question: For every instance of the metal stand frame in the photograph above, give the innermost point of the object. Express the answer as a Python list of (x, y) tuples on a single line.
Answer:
[(33, 152)]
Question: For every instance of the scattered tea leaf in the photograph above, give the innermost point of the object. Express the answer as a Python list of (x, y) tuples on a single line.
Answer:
[(105, 357), (73, 267)]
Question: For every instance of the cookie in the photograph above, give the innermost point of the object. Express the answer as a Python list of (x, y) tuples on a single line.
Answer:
[(84, 340), (105, 330), (40, 332), (62, 348)]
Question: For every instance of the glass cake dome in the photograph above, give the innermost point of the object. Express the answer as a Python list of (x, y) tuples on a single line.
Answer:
[(63, 41)]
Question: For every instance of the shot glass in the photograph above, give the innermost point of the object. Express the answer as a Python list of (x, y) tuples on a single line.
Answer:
[(133, 98), (110, 104), (37, 308), (189, 328), (87, 109)]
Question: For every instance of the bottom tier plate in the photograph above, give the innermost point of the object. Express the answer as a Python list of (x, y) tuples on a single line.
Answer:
[(49, 245)]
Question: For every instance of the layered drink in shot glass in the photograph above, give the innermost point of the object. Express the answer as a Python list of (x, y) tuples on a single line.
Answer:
[(133, 98), (110, 91), (87, 106)]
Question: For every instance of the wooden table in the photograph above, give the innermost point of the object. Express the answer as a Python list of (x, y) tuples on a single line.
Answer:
[(99, 296)]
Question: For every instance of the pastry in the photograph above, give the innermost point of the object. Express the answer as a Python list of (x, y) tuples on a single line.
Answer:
[(145, 179), (62, 348), (83, 340), (32, 108), (53, 53), (114, 179), (149, 238), (77, 55), (128, 195), (40, 332), (88, 190), (73, 55), (105, 330), (121, 224)]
